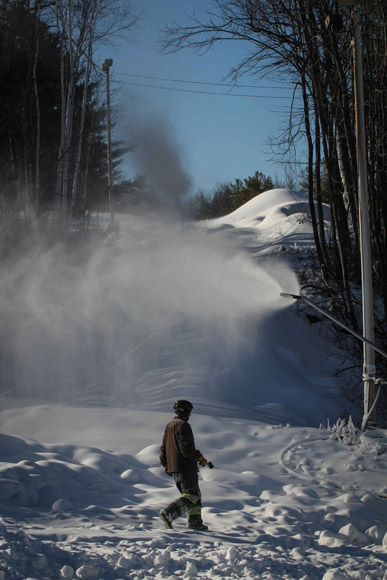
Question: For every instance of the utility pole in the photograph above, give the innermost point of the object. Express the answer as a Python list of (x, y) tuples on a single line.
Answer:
[(106, 68), (369, 369)]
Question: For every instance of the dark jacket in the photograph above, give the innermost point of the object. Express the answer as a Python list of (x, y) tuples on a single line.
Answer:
[(178, 453)]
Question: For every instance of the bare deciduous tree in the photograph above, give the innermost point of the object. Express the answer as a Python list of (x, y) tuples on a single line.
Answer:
[(308, 43), (82, 26)]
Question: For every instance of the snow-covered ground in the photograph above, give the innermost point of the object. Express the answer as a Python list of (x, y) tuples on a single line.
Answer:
[(96, 352)]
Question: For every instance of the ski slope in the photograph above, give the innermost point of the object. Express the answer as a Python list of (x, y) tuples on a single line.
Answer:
[(97, 351)]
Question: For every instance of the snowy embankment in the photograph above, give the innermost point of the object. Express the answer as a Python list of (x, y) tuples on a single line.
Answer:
[(98, 355), (282, 502)]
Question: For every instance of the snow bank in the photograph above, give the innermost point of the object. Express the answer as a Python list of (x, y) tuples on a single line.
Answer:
[(278, 219), (280, 504)]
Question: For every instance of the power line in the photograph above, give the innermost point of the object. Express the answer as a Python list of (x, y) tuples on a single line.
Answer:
[(201, 92), (232, 85)]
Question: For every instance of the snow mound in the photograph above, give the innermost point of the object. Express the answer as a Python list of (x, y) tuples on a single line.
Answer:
[(274, 221), (260, 206)]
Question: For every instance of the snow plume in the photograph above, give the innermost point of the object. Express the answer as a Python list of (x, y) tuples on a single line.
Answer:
[(167, 313), (158, 156)]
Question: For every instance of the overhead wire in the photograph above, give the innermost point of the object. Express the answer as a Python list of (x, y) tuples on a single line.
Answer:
[(197, 91), (221, 84), (202, 92)]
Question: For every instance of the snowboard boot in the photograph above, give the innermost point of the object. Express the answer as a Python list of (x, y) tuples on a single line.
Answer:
[(199, 526), (168, 514), (166, 518), (195, 522)]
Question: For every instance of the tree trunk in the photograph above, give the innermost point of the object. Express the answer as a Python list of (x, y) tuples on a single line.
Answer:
[(58, 194), (310, 171), (37, 106), (73, 195), (320, 210)]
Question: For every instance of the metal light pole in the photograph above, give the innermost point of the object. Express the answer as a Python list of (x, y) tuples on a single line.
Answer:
[(369, 369), (106, 68)]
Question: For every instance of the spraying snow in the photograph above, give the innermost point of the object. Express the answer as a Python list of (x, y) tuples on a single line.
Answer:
[(157, 154), (170, 312)]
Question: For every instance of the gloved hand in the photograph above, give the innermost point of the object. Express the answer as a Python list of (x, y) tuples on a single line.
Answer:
[(203, 461), (167, 472)]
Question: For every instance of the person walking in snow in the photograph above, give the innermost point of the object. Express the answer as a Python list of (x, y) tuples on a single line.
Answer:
[(180, 458)]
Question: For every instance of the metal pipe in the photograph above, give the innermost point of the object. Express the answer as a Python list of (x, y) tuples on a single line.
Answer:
[(347, 328)]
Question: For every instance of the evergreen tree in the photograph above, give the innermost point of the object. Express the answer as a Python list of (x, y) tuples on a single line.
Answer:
[(227, 197), (254, 185), (19, 124)]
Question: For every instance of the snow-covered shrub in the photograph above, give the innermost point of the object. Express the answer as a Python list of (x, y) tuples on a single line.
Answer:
[(345, 431), (374, 440)]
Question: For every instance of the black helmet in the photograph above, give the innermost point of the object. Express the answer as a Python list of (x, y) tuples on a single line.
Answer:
[(182, 408)]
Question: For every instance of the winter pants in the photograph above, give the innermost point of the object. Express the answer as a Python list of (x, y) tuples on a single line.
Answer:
[(190, 501)]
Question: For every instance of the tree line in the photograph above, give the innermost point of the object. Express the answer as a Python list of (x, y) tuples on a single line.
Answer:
[(308, 43), (226, 197), (52, 117)]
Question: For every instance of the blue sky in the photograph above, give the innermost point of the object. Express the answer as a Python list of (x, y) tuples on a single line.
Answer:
[(220, 138)]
